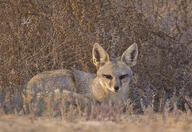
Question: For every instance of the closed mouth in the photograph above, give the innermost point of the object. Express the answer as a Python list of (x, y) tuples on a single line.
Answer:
[(112, 91), (116, 91)]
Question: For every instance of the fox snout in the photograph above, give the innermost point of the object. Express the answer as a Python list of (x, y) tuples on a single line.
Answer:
[(116, 88), (114, 84)]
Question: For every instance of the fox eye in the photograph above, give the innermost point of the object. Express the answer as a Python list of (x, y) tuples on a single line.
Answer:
[(123, 76), (108, 76)]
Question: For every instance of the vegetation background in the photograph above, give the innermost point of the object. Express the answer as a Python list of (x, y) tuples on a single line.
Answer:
[(41, 35)]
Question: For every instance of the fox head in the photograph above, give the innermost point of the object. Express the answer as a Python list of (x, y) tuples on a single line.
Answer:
[(114, 74)]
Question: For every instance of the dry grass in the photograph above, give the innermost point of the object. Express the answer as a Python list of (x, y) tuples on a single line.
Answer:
[(101, 117), (44, 35), (132, 123)]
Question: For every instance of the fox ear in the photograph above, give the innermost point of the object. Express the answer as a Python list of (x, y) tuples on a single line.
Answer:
[(129, 57), (100, 56)]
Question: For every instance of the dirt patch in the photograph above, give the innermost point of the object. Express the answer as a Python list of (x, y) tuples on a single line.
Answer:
[(132, 123)]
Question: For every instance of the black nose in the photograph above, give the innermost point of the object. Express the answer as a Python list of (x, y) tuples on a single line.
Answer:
[(116, 88)]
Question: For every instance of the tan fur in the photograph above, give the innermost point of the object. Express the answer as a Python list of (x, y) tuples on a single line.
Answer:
[(112, 73)]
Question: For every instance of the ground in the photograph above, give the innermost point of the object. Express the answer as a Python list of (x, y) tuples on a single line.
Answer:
[(131, 123)]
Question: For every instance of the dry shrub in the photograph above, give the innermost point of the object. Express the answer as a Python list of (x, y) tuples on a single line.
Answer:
[(44, 35)]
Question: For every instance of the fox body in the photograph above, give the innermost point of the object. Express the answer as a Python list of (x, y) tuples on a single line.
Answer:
[(111, 82)]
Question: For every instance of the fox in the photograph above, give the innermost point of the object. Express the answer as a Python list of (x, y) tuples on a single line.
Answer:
[(109, 83)]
